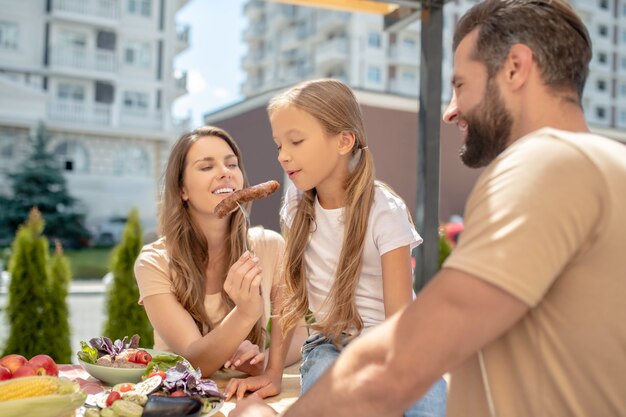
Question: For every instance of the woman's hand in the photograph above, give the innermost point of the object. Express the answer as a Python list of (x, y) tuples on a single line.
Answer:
[(247, 358), (252, 407), (243, 284), (265, 385)]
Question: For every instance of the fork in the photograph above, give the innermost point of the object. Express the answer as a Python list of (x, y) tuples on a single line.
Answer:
[(247, 216)]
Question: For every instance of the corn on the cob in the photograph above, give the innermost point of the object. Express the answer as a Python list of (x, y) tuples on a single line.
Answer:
[(33, 386)]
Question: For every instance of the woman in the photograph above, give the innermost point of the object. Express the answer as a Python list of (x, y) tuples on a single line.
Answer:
[(208, 283)]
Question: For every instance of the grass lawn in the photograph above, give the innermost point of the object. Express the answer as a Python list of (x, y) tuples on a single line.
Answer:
[(89, 263)]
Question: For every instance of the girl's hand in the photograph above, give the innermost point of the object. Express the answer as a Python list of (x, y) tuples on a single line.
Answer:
[(247, 358), (243, 284), (263, 386)]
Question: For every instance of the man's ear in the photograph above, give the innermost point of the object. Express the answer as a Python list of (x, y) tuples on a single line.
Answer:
[(518, 65), (346, 142)]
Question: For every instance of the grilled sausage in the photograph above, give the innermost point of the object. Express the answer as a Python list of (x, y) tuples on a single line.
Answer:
[(255, 192)]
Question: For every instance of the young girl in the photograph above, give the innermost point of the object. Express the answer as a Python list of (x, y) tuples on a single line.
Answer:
[(207, 297), (348, 237)]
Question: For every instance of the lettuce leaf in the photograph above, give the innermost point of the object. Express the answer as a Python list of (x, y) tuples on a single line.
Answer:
[(87, 353), (163, 362)]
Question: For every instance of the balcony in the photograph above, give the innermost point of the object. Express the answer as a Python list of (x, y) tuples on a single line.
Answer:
[(281, 15), (252, 60), (107, 9), (253, 9), (331, 52), (180, 82), (328, 20), (254, 32), (81, 58), (138, 119), (80, 112), (182, 37)]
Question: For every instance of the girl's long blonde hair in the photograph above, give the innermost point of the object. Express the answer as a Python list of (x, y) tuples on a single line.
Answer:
[(334, 105), (187, 245)]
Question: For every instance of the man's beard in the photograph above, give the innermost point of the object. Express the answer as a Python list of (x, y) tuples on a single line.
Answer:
[(488, 129)]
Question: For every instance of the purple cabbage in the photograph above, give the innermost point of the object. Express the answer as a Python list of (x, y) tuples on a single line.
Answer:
[(184, 378), (105, 346)]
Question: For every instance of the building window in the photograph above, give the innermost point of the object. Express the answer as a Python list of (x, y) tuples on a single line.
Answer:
[(374, 40), (604, 4), (373, 74), (622, 90), (408, 76), (409, 43), (71, 92), (73, 156), (602, 58), (624, 63), (624, 36), (603, 31), (9, 35), (139, 7), (622, 116), (601, 85), (600, 113), (135, 100), (73, 39), (137, 54), (7, 147)]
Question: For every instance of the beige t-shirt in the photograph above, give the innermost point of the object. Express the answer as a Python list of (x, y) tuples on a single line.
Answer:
[(152, 274), (546, 222)]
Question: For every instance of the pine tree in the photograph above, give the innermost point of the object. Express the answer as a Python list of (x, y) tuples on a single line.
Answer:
[(40, 183), (27, 289), (124, 316), (57, 330)]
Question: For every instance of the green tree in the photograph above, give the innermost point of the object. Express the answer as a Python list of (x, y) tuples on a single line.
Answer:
[(27, 289), (57, 330), (445, 248), (40, 183), (124, 316)]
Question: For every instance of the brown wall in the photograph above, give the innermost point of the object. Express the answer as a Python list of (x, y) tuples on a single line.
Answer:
[(392, 139)]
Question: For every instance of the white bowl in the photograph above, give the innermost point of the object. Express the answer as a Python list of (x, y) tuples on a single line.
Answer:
[(112, 376)]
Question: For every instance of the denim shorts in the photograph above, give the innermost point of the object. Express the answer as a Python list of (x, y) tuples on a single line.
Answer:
[(319, 353)]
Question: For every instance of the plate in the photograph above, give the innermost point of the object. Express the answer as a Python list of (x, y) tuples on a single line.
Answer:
[(112, 376)]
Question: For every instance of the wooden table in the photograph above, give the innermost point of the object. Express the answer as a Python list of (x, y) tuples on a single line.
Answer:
[(289, 394)]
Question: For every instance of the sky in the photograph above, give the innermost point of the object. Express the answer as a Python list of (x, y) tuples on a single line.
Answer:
[(213, 59)]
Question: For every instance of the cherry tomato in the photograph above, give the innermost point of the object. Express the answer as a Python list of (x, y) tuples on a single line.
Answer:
[(133, 356), (159, 373), (126, 387), (178, 394), (112, 397), (143, 357)]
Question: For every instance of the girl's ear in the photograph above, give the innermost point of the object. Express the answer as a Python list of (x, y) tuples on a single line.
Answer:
[(346, 142)]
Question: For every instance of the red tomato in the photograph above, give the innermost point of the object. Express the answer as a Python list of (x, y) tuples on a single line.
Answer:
[(126, 387), (143, 357), (133, 356), (178, 394), (113, 396), (159, 373)]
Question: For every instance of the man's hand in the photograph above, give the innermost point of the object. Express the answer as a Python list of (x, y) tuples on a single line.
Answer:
[(252, 407), (262, 385)]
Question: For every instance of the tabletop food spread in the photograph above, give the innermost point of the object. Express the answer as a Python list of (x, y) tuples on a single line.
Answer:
[(119, 379)]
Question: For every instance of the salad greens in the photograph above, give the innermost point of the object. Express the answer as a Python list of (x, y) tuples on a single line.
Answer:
[(101, 346), (163, 362)]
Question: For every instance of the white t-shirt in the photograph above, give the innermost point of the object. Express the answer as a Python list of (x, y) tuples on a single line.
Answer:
[(388, 228)]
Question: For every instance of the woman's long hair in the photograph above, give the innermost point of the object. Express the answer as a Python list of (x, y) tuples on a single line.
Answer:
[(334, 105), (187, 245)]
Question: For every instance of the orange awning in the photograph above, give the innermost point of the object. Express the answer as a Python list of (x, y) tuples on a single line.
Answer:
[(364, 6)]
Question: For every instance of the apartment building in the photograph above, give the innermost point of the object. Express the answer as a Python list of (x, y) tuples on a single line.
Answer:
[(287, 44), (99, 74)]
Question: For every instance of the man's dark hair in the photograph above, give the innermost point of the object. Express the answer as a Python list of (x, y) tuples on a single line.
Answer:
[(550, 28)]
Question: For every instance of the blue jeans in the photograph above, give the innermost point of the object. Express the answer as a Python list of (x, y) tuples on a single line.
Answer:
[(319, 353)]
